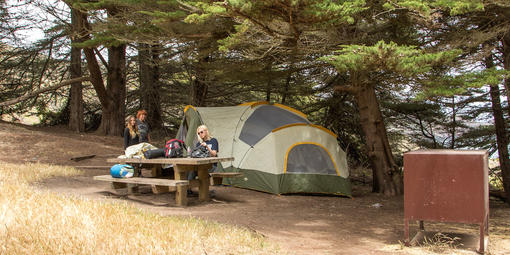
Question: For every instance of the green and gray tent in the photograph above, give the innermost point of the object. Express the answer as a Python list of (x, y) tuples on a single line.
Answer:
[(275, 147)]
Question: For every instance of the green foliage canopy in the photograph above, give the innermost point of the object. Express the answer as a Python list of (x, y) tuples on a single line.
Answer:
[(404, 60)]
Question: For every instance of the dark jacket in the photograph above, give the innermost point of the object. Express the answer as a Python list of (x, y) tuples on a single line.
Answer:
[(128, 140)]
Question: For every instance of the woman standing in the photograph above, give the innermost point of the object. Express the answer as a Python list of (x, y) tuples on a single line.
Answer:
[(143, 126), (131, 134)]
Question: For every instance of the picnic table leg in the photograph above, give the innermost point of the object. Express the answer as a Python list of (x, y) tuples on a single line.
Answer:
[(156, 170), (156, 189), (133, 188), (203, 178), (181, 173), (181, 195), (138, 170), (118, 185)]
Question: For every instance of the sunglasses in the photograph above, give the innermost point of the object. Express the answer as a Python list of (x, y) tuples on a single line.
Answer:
[(200, 132)]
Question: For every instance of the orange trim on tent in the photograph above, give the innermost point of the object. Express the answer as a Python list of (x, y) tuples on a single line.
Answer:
[(304, 124), (320, 145), (248, 103), (291, 109), (289, 125), (258, 103), (325, 129), (189, 106)]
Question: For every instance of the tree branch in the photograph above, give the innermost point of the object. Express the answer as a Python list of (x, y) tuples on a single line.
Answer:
[(37, 92), (98, 53)]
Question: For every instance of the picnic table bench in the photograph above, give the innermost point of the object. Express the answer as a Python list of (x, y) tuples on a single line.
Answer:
[(179, 184)]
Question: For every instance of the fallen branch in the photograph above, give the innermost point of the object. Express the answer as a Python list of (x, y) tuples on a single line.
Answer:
[(37, 92), (82, 157)]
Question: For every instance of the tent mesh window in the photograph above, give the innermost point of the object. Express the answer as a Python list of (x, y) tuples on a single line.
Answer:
[(310, 159), (264, 119)]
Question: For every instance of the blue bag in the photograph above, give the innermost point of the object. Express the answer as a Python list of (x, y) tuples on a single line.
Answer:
[(122, 171)]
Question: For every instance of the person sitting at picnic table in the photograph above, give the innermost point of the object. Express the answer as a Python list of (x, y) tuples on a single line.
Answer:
[(131, 134), (143, 126), (208, 142)]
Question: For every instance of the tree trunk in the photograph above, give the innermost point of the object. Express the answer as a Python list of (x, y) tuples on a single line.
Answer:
[(150, 87), (199, 92), (199, 84), (454, 123), (112, 121), (269, 85), (386, 175), (502, 139), (501, 131), (506, 62), (112, 97), (76, 122), (286, 88)]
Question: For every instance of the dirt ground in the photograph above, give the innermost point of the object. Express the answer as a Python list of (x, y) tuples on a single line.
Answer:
[(300, 224)]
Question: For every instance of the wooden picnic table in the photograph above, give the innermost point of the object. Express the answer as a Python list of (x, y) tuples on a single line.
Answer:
[(181, 168)]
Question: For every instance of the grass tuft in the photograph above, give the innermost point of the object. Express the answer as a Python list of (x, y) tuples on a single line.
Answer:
[(439, 243)]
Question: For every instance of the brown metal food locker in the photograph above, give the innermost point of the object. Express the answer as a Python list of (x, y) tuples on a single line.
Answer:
[(447, 186)]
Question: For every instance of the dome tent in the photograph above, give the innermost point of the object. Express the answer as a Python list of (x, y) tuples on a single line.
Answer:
[(276, 148)]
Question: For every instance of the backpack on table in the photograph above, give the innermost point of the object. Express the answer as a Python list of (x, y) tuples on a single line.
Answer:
[(174, 148), (200, 152)]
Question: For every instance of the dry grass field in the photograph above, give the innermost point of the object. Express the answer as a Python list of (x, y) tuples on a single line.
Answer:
[(41, 222)]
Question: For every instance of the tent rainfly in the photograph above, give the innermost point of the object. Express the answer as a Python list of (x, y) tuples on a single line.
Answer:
[(276, 148)]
